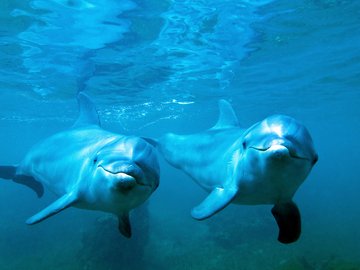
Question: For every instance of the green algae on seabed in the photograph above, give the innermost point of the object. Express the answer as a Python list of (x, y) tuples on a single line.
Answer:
[(301, 263), (343, 265)]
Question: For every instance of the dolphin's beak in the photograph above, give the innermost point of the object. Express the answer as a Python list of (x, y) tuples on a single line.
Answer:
[(124, 181), (119, 180), (279, 151), (123, 175)]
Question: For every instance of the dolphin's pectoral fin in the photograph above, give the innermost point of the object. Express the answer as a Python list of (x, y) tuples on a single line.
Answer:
[(60, 204), (287, 216), (31, 183), (124, 225), (227, 117), (9, 172), (88, 113), (217, 200)]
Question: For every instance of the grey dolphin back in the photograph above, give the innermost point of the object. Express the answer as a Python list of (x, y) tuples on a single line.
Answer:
[(88, 114), (220, 197), (9, 173), (227, 119)]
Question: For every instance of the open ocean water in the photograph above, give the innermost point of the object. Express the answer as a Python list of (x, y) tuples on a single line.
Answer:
[(158, 66)]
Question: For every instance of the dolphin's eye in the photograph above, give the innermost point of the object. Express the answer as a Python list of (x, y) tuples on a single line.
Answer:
[(244, 145), (95, 160)]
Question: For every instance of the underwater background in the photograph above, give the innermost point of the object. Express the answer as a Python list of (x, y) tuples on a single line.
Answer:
[(160, 66)]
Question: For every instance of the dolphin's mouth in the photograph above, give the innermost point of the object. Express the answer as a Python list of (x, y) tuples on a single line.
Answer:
[(118, 172), (126, 176), (290, 151)]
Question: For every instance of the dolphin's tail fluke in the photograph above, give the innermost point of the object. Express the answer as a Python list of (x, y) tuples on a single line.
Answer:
[(9, 173)]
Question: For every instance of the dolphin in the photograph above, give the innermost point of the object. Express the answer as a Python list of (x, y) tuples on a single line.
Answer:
[(90, 168), (264, 164)]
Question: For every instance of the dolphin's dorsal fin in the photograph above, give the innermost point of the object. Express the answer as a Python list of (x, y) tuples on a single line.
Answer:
[(227, 117), (217, 200), (60, 204), (88, 114)]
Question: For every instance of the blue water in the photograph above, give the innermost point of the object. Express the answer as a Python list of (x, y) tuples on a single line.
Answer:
[(159, 66)]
